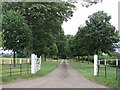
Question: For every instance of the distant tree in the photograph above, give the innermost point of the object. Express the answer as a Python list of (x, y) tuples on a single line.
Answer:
[(16, 33), (61, 44), (102, 34), (53, 50), (69, 38), (82, 42)]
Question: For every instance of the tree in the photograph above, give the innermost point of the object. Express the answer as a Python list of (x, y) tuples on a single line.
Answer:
[(61, 44), (16, 33), (69, 52), (45, 20), (83, 46), (53, 50), (103, 35)]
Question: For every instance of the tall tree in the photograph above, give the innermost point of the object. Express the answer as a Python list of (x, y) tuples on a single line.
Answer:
[(103, 35), (16, 33)]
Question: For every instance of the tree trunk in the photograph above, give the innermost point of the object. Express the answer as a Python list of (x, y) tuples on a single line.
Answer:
[(14, 62), (88, 59), (45, 57), (30, 51), (82, 59), (76, 59)]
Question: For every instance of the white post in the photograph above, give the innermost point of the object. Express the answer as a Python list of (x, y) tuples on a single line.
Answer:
[(105, 62), (20, 61), (10, 61), (27, 60), (95, 65), (116, 62), (32, 63)]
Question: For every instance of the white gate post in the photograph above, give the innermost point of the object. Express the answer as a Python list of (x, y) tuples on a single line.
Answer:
[(32, 63), (95, 65)]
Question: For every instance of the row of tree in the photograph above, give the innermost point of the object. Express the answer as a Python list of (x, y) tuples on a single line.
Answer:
[(96, 37), (34, 27)]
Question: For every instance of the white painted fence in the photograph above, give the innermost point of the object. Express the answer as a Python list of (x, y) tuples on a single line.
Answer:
[(97, 62), (35, 63)]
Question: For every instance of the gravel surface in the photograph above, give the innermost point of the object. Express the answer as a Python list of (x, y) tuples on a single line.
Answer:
[(64, 76)]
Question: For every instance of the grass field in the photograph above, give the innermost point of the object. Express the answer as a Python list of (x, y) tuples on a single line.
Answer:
[(88, 70), (46, 67)]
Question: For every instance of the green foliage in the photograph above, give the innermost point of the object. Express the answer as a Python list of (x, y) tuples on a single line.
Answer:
[(97, 37), (45, 20), (16, 33), (68, 46), (83, 42), (61, 43), (103, 35), (23, 53), (53, 49)]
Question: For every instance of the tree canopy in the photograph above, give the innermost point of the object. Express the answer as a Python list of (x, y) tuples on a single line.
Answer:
[(97, 36), (44, 20), (16, 33)]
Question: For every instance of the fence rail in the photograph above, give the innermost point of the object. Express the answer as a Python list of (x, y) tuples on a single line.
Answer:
[(106, 65), (23, 66)]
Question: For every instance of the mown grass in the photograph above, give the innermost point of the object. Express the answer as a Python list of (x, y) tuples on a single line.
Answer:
[(46, 67), (88, 70)]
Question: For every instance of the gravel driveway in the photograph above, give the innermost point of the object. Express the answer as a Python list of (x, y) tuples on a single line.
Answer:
[(64, 76)]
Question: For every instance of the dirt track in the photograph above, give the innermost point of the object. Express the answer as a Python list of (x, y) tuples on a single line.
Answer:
[(62, 77)]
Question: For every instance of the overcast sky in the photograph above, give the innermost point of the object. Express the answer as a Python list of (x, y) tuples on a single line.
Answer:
[(81, 14)]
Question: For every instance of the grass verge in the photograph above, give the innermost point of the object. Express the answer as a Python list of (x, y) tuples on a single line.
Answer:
[(46, 67), (87, 71)]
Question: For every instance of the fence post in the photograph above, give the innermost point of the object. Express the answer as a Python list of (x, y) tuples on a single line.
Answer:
[(20, 66), (98, 67), (95, 65), (3, 62), (10, 61), (116, 67), (105, 68)]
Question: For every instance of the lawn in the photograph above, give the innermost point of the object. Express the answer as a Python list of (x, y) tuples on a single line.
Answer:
[(88, 70), (46, 67)]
